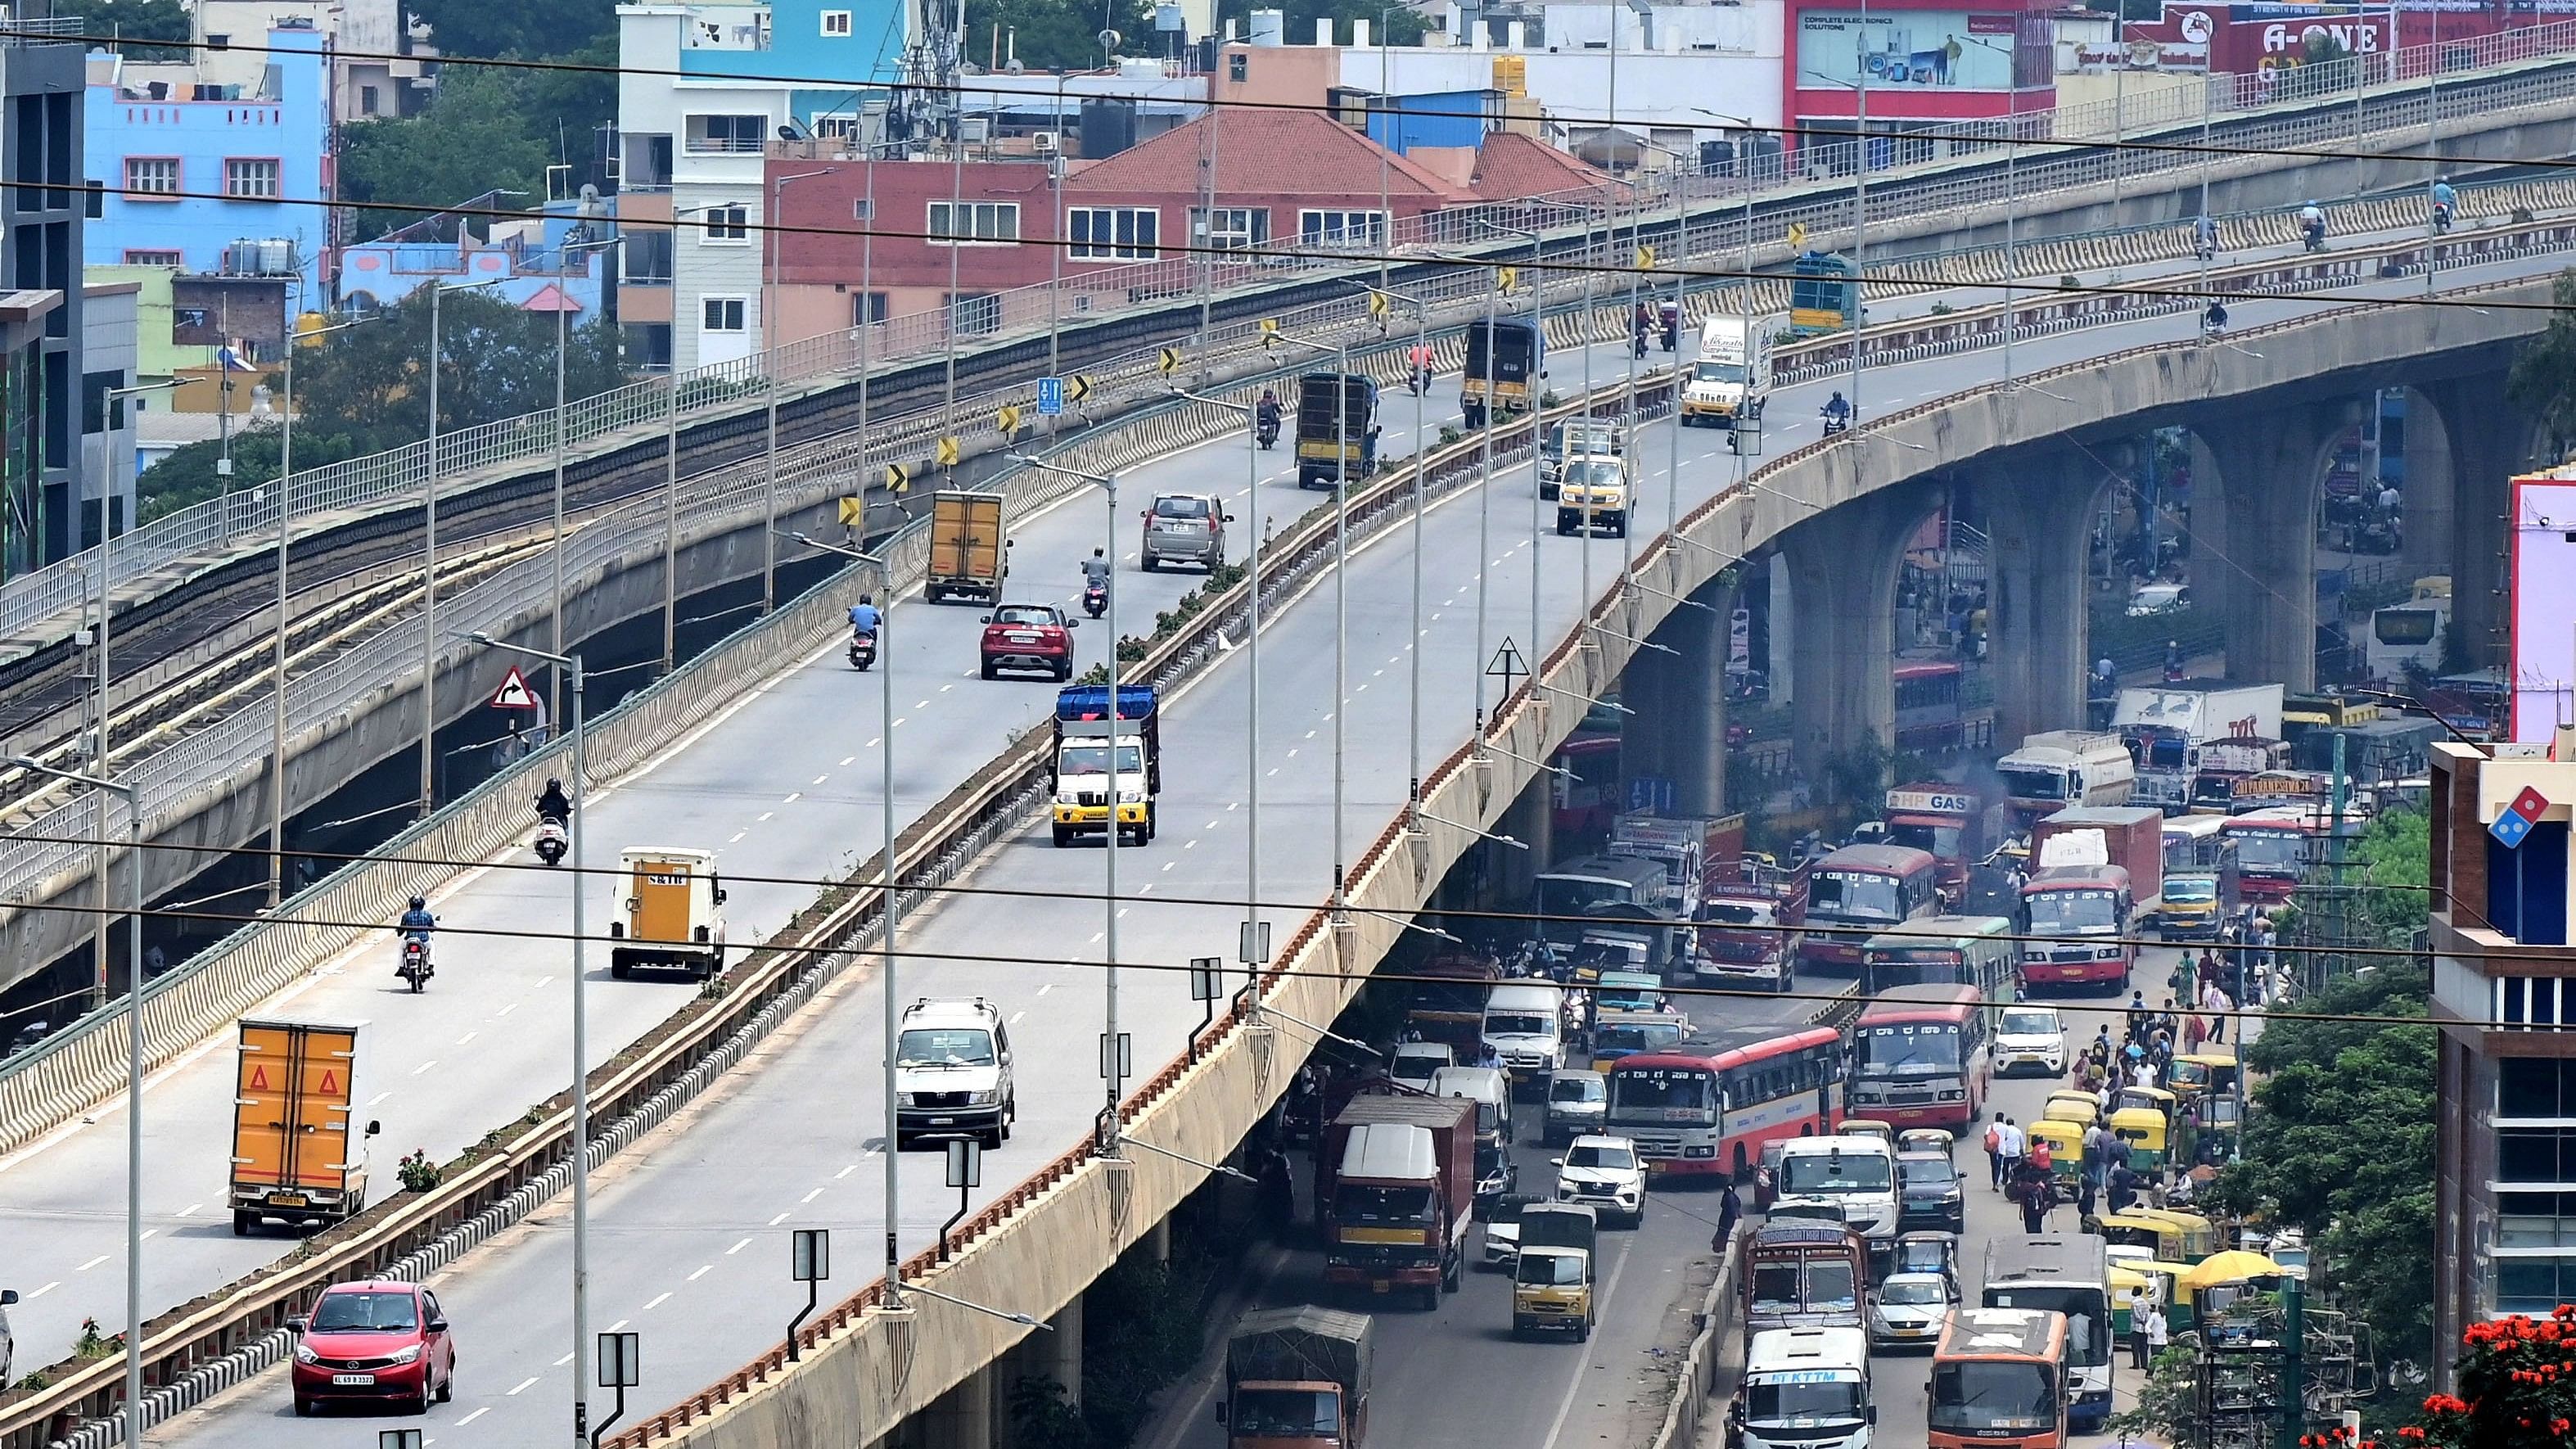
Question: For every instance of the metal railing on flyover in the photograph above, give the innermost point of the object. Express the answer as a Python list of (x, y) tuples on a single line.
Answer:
[(2394, 101)]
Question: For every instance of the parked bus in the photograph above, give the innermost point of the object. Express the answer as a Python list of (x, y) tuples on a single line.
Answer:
[(2084, 911), (1999, 1379), (1824, 293), (1942, 950), (1860, 889), (2272, 850), (2409, 635), (1930, 720), (1922, 1056), (2067, 1274), (1706, 1106)]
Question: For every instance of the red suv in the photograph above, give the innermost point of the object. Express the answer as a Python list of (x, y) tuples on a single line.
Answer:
[(379, 1342), (1028, 636)]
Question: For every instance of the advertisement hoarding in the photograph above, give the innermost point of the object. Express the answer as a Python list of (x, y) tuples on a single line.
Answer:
[(2543, 590), (1908, 49)]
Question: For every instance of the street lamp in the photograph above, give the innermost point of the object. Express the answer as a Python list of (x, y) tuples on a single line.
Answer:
[(890, 905), (277, 657), (1538, 324), (671, 452), (769, 373), (133, 1073), (429, 561), (1341, 351), (571, 664), (1859, 87), (1421, 443), (563, 426)]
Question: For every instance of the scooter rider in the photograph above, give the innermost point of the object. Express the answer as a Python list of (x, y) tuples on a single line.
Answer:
[(1265, 413), (2204, 235), (864, 616), (2446, 202), (2312, 223), (2214, 321), (1837, 411), (1095, 569), (416, 924), (553, 804)]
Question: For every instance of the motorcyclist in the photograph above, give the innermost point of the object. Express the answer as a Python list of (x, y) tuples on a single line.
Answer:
[(1095, 569), (1265, 413), (2215, 319), (553, 804), (1420, 360), (2173, 659), (2312, 220), (1837, 411), (2204, 235), (2446, 201), (417, 922), (864, 615)]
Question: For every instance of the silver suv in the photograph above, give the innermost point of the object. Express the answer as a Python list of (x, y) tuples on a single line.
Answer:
[(1185, 528), (952, 1074)]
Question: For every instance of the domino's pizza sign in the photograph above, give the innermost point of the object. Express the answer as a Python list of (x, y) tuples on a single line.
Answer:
[(2516, 820)]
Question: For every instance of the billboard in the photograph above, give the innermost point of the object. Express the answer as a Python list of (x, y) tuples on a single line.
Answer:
[(1907, 49), (2543, 590), (2244, 39)]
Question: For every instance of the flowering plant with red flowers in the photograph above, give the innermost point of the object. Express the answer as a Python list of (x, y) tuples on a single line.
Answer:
[(2517, 1389)]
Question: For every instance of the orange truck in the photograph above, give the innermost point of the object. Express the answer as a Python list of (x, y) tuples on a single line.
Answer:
[(297, 1156), (969, 554)]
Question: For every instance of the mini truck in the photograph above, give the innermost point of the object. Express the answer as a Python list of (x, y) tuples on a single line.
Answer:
[(1503, 358), (674, 915), (1732, 372), (1297, 1378), (1085, 735), (1592, 493), (969, 551), (1401, 1194), (1336, 428), (296, 1159)]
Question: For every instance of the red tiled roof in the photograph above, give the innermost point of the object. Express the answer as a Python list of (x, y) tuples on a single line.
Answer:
[(550, 298), (1514, 167), (1266, 153)]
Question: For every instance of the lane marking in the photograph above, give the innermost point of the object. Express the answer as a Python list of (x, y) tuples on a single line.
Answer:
[(424, 1066), (738, 1247), (192, 1207), (371, 1101), (656, 1303), (147, 1232), (782, 1217), (477, 1414), (809, 1197), (703, 1270), (542, 983), (792, 797), (819, 779), (41, 1292), (764, 817), (524, 1386), (844, 1172), (853, 759), (505, 1011), (1015, 1018), (469, 1036), (737, 837), (1043, 990)]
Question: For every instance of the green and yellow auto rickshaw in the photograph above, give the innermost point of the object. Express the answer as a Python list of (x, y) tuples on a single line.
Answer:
[(2148, 1135), (2065, 1152)]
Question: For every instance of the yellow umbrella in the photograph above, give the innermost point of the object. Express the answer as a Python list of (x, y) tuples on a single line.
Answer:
[(2231, 1267)]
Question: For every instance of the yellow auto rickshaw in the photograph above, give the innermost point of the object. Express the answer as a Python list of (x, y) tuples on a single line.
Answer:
[(1927, 1139), (2133, 1229), (2065, 1151), (2079, 1108), (1869, 1127), (2207, 1072), (2147, 1133), (2122, 1279), (2155, 1099), (2181, 1302), (2200, 1238)]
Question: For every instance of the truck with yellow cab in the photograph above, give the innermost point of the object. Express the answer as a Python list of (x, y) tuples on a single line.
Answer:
[(298, 1156), (1297, 1378), (1106, 761), (1592, 493), (1732, 373), (1397, 1193), (970, 550), (672, 916)]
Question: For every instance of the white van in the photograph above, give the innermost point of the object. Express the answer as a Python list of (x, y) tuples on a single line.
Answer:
[(1525, 1025), (1807, 1387), (1491, 1093), (1854, 1174), (952, 1074)]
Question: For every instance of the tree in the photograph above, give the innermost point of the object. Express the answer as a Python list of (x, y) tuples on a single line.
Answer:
[(2396, 860), (2164, 1406), (2517, 1382), (2543, 380), (555, 28), (132, 20), (186, 475), (486, 130), (1058, 34), (2340, 1145)]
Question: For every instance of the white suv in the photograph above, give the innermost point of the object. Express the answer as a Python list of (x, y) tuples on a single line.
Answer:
[(2030, 1038), (1605, 1174), (952, 1074)]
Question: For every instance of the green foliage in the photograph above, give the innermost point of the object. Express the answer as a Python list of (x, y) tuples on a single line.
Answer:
[(2163, 1408), (485, 129), (2396, 860), (1041, 1419), (1141, 1327), (2517, 1388), (186, 475), (2543, 380), (1057, 34), (480, 27), (417, 1172), (2340, 1144), (131, 20), (93, 1343)]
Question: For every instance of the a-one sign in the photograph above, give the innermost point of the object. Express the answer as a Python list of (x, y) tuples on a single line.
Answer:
[(514, 692)]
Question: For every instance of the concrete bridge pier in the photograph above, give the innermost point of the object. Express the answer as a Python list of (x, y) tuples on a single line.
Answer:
[(1842, 568), (2038, 517), (2485, 442), (1679, 731), (976, 1414), (2262, 571)]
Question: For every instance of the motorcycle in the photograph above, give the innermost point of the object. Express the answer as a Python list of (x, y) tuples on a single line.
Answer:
[(1095, 598), (551, 841), (2315, 236), (2441, 217), (1834, 422), (415, 969), (1267, 433), (863, 650)]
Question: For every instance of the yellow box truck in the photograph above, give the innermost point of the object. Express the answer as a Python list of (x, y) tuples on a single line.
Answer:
[(296, 1159), (672, 918), (969, 550)]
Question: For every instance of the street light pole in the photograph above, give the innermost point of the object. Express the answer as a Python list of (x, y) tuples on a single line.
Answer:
[(769, 377), (429, 562), (133, 1069), (571, 664), (563, 426)]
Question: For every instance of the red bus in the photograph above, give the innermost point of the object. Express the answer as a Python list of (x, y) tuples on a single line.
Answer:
[(2085, 913), (1863, 889), (1921, 1057), (2272, 850), (1707, 1105), (1929, 717), (1586, 803)]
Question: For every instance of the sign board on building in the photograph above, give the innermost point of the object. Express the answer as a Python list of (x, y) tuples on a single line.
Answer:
[(1931, 802), (1949, 50), (2541, 582)]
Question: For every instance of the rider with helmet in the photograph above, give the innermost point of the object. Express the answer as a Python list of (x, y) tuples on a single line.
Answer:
[(552, 803), (417, 922)]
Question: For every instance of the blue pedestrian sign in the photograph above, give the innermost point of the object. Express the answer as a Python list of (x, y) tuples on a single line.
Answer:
[(1050, 397), (1648, 792)]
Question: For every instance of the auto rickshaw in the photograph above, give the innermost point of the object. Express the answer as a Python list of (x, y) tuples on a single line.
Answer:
[(2181, 1301), (2200, 1237), (2218, 1129), (2158, 1099), (2201, 1073), (1869, 1127), (2079, 1108), (2134, 1229), (1927, 1139), (1926, 1253), (2065, 1152), (2147, 1133), (2122, 1278)]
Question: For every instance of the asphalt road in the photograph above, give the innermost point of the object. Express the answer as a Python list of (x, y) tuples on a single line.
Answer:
[(692, 1202)]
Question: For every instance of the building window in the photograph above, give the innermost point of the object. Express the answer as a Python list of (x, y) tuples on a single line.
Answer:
[(867, 309), (738, 134), (863, 210), (721, 314), (1232, 228), (2536, 1155), (2536, 1220), (836, 126), (973, 222), (135, 258), (151, 175), (2535, 1088), (836, 24), (2533, 1285), (2528, 1000), (975, 313), (367, 100), (1341, 228), (1237, 67), (1113, 233), (646, 257), (728, 224), (250, 178), (94, 205)]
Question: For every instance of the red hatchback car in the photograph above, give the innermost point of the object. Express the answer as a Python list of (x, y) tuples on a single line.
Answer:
[(374, 1342), (1028, 636)]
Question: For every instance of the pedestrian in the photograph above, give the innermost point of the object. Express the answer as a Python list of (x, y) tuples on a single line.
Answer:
[(2096, 1141), (1278, 1194), (2140, 1305), (2035, 1203), (2013, 1144), (2208, 969), (2084, 1204), (2192, 1033), (2123, 1187), (2143, 1074), (1995, 1154), (2215, 1001), (1730, 1208), (2157, 1333), (2043, 1158)]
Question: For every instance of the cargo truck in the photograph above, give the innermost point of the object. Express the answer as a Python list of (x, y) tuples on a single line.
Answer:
[(2132, 837), (672, 916), (2059, 768), (1297, 1378), (1956, 823), (297, 1156), (1733, 370), (1505, 359), (1398, 1193), (1083, 778), (1694, 851), (1336, 428), (969, 552), (2165, 725)]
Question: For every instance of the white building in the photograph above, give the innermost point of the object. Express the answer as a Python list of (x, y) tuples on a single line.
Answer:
[(361, 84)]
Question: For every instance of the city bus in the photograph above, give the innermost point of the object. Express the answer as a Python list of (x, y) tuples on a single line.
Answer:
[(1942, 950), (2067, 1274), (1930, 719), (1824, 293), (2408, 636), (1922, 1056), (2083, 911), (1861, 889), (1999, 1379), (2272, 850), (1707, 1105)]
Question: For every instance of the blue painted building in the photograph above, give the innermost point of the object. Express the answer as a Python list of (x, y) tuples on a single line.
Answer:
[(207, 178), (1441, 118), (531, 270)]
